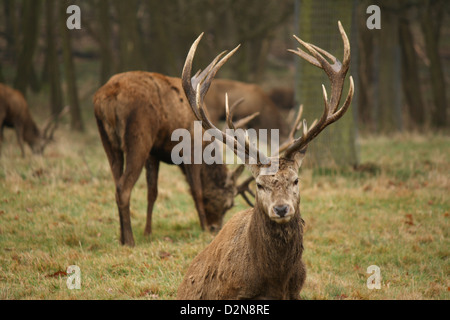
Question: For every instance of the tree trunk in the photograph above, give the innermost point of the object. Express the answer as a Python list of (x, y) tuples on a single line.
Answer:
[(336, 145), (69, 68), (130, 44), (31, 15), (2, 78), (366, 58), (431, 23), (106, 69), (56, 99), (411, 83), (11, 29), (389, 115)]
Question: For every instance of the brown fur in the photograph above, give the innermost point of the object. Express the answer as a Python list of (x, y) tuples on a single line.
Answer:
[(282, 97), (254, 256), (14, 113), (255, 100), (136, 114)]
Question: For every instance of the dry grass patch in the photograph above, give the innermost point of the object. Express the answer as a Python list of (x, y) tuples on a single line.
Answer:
[(59, 210)]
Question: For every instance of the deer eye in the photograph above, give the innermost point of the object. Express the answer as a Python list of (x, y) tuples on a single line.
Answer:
[(296, 182), (260, 187)]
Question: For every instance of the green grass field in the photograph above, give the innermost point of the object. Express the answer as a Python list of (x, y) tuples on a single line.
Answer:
[(59, 210)]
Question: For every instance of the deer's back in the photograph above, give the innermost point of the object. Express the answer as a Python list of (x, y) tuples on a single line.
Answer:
[(255, 100), (142, 103), (13, 106)]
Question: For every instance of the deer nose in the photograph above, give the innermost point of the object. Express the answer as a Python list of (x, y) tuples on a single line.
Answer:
[(281, 211)]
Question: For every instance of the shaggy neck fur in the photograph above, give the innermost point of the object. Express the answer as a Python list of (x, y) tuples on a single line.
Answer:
[(278, 246)]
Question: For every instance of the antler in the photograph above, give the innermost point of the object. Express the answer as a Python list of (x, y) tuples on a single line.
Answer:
[(243, 188), (336, 72), (196, 88), (295, 127), (52, 124), (241, 122)]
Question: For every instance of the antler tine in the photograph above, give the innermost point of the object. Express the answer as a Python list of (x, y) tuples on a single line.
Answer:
[(336, 73), (51, 124), (243, 188), (346, 60), (235, 104), (229, 111), (229, 115), (302, 54), (196, 94), (202, 78), (317, 59), (244, 121), (297, 124)]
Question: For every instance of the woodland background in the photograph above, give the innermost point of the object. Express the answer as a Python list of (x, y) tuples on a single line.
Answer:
[(401, 71)]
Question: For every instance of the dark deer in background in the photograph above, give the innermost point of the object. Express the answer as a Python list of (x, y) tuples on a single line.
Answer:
[(136, 113), (255, 100), (282, 97), (258, 253), (14, 113)]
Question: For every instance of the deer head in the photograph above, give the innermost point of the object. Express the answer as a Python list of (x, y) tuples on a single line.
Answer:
[(41, 138), (277, 195)]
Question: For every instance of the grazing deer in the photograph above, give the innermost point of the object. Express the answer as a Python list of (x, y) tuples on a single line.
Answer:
[(256, 100), (136, 114), (282, 97), (14, 113), (258, 252)]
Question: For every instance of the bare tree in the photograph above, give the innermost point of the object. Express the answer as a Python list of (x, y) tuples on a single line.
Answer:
[(56, 96), (431, 21), (25, 67), (69, 68), (410, 74)]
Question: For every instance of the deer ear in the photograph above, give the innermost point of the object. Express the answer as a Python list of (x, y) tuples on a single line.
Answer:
[(299, 156)]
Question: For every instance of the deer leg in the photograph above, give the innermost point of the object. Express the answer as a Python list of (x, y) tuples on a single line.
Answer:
[(19, 134), (138, 146), (115, 155), (1, 137), (193, 177), (152, 169), (124, 186), (2, 125)]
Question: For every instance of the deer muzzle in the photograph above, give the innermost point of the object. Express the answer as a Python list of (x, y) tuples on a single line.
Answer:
[(281, 213)]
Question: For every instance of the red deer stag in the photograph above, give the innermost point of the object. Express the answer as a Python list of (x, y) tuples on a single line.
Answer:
[(258, 252), (14, 113), (255, 100), (136, 114)]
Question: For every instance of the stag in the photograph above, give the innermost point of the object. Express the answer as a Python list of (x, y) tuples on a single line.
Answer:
[(136, 114), (14, 113), (258, 252)]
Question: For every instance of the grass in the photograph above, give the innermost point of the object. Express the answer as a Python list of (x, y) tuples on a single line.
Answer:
[(59, 210)]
